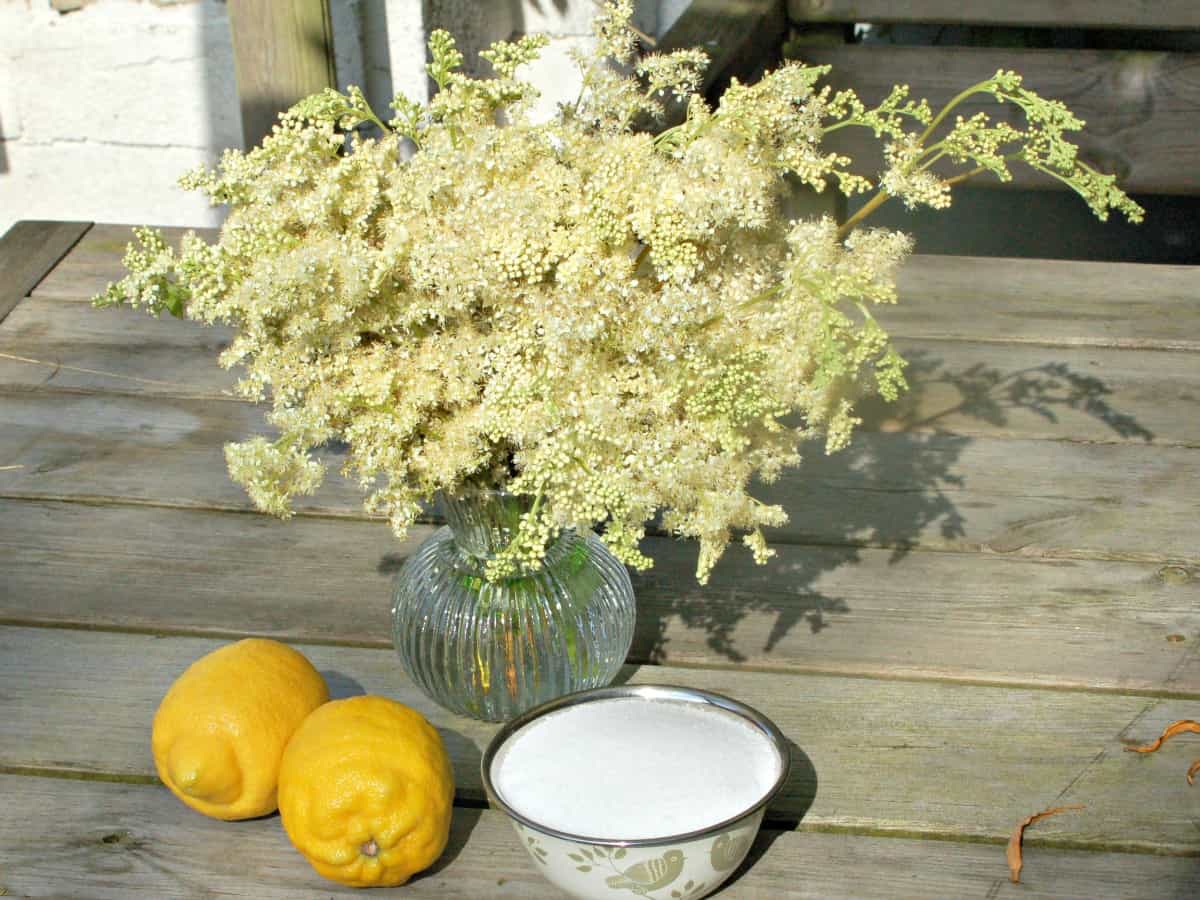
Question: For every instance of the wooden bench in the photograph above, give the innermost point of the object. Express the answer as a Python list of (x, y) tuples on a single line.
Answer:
[(1142, 109)]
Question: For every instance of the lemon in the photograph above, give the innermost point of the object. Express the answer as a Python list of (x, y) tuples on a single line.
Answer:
[(221, 729), (366, 791)]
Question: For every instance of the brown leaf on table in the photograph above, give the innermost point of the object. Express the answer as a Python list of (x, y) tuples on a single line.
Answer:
[(1192, 770), (1014, 841), (1179, 727)]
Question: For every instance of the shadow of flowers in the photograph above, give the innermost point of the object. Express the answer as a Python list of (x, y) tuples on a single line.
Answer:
[(899, 485)]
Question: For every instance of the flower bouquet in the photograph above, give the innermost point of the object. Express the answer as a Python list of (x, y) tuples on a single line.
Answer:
[(605, 323)]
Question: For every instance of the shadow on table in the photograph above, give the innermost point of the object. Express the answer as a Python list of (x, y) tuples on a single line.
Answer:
[(342, 685), (892, 488), (467, 810), (785, 813)]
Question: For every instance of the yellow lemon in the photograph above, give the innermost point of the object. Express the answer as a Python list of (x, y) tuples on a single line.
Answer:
[(366, 791), (220, 731)]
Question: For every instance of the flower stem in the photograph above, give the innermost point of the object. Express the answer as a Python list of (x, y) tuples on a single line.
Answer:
[(957, 99), (881, 197), (869, 207)]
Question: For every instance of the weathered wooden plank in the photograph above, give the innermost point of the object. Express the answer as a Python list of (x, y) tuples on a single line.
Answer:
[(1077, 624), (878, 756), (123, 446), (1038, 498), (1125, 305), (995, 389), (1033, 391), (1142, 108), (55, 838), (98, 840), (282, 52), (1036, 301), (932, 491), (28, 250), (95, 261), (49, 342), (740, 37), (1161, 15)]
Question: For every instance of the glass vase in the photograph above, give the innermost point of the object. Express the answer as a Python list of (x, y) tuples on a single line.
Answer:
[(493, 650)]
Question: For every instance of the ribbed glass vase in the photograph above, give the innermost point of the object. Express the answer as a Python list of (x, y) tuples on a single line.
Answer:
[(493, 650)]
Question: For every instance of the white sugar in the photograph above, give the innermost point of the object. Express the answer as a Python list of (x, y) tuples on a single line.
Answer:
[(632, 768)]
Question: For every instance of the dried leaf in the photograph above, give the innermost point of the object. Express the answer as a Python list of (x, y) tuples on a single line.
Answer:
[(1170, 731), (1014, 841), (1192, 770)]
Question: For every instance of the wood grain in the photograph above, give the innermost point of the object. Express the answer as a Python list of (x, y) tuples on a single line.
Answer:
[(28, 250), (1059, 499), (55, 839), (48, 342), (282, 52), (97, 840), (95, 261), (1149, 14), (740, 37), (1142, 108), (1076, 624), (884, 757), (1052, 393), (1058, 302), (975, 388)]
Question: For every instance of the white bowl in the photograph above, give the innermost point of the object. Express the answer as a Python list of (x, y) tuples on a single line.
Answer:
[(681, 866)]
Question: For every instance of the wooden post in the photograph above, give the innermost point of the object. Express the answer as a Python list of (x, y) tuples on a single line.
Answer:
[(741, 38), (283, 51)]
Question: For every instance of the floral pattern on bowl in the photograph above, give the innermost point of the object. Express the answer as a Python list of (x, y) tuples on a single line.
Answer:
[(684, 871)]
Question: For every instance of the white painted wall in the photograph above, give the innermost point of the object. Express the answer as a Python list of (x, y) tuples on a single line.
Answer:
[(102, 108)]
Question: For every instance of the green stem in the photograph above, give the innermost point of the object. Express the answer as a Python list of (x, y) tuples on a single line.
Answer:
[(664, 135), (374, 118), (959, 98), (654, 88), (584, 85), (867, 208), (957, 179), (881, 197)]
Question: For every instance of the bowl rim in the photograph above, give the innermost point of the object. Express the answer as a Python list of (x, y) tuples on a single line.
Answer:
[(644, 692)]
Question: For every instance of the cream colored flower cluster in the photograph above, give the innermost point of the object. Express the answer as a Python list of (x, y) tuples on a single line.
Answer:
[(614, 324)]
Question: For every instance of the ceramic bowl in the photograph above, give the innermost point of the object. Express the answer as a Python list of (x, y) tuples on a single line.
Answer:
[(679, 867)]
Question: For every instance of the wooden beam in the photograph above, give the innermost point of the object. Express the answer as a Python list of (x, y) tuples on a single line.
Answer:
[(28, 251), (283, 51), (742, 37), (60, 833), (1166, 15), (1142, 109), (1092, 624), (950, 762)]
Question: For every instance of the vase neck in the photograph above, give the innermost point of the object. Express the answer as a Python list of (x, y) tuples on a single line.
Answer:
[(484, 521)]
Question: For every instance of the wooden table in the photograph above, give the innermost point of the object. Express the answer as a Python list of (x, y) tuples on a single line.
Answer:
[(975, 610)]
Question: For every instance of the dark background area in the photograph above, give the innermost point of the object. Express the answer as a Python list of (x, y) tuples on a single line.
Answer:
[(1035, 223)]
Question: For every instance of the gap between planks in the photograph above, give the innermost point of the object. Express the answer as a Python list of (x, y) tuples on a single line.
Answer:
[(806, 540), (999, 434), (981, 617), (804, 671), (769, 823), (484, 859), (847, 774)]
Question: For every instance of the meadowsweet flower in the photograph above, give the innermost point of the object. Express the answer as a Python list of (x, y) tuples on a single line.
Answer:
[(612, 323)]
